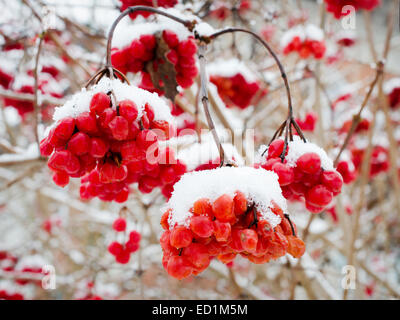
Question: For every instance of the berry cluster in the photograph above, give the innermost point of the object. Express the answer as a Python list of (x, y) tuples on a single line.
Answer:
[(306, 41), (46, 85), (237, 91), (336, 6), (141, 56), (302, 174), (379, 159), (125, 4), (347, 171), (122, 252), (224, 228), (107, 146)]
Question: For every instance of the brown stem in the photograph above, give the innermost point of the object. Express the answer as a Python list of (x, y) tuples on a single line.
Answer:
[(271, 52), (36, 89), (204, 100), (357, 118)]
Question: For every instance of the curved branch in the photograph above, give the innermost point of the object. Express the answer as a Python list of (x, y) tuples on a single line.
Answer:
[(271, 52)]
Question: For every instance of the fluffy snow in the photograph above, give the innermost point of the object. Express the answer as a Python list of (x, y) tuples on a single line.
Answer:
[(259, 186), (229, 68), (297, 148), (200, 153), (33, 261), (80, 102), (151, 26), (309, 32), (391, 84)]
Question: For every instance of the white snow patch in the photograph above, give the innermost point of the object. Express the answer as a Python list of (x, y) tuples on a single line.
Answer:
[(309, 32), (230, 68), (33, 261), (200, 153), (297, 148), (260, 186), (80, 102)]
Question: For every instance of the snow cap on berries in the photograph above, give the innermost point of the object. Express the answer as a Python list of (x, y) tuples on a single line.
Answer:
[(258, 185), (297, 148), (80, 102)]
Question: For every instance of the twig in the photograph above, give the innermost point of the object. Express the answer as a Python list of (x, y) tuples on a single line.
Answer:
[(36, 107), (357, 118)]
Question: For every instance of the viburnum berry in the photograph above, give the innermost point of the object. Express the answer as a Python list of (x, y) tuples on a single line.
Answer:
[(306, 173), (107, 146), (141, 53), (202, 226), (213, 228), (223, 208), (119, 225), (306, 40)]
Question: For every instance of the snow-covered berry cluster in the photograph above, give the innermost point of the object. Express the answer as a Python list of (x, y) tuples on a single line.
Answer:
[(24, 83), (306, 173), (101, 133), (160, 53), (237, 86), (222, 213), (306, 40)]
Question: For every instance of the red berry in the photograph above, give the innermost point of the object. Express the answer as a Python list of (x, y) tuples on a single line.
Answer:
[(223, 208), (181, 237), (248, 239), (128, 110), (179, 267), (284, 172), (119, 225), (222, 231), (134, 236), (86, 122), (201, 226), (119, 128), (61, 178), (79, 144), (309, 163), (240, 203), (100, 101), (332, 180), (319, 195), (115, 248), (98, 148), (64, 128), (275, 149)]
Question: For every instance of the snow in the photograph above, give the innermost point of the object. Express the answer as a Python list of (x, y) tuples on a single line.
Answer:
[(200, 153), (33, 261), (391, 84), (309, 32), (229, 68), (80, 102), (203, 29), (260, 186), (297, 148)]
